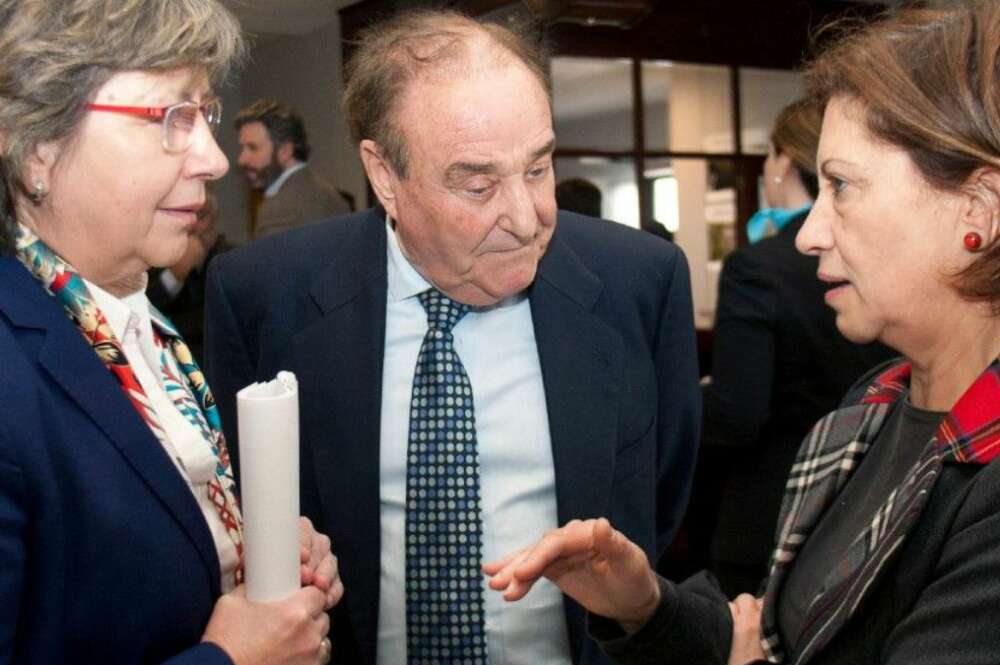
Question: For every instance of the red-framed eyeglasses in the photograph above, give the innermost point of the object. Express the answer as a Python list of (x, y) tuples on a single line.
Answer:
[(177, 120)]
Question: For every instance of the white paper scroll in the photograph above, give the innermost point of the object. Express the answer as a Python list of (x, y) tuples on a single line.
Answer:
[(268, 415)]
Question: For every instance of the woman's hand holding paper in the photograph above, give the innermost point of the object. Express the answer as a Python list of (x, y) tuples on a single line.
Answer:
[(319, 565)]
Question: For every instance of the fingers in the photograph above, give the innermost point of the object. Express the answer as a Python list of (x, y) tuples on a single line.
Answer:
[(334, 593), (312, 600), (745, 605), (326, 572), (575, 537), (494, 567), (745, 645), (319, 566)]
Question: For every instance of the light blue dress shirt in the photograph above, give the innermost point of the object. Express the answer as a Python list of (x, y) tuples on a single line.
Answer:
[(518, 497), (275, 187)]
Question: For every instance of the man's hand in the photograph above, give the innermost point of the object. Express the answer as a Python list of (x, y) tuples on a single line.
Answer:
[(590, 562)]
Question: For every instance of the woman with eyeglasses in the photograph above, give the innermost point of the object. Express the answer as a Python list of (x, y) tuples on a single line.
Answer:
[(888, 544), (120, 533)]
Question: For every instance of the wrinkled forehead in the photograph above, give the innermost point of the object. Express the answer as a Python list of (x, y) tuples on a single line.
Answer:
[(494, 105)]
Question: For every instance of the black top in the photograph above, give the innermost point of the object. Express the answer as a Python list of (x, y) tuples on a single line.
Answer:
[(779, 364), (186, 309), (884, 467)]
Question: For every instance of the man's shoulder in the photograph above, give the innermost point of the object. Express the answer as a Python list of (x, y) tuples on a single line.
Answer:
[(303, 250), (609, 247), (309, 186)]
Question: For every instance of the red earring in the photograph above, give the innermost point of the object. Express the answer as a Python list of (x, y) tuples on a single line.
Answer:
[(973, 241)]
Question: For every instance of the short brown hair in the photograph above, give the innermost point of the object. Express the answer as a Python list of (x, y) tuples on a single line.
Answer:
[(929, 82), (796, 134), (55, 55), (394, 52)]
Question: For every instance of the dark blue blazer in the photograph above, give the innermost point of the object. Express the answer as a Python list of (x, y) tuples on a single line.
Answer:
[(105, 556), (614, 326)]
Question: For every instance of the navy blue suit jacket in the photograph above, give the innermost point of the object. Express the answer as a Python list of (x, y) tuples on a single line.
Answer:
[(614, 327), (105, 556)]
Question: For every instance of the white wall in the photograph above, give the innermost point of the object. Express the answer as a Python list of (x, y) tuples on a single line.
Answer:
[(699, 108), (304, 71)]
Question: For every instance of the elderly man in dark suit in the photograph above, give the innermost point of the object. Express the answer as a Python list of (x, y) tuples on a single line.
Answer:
[(273, 153), (475, 368)]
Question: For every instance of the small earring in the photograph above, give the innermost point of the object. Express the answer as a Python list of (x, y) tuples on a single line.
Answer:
[(973, 241), (37, 192), (777, 179)]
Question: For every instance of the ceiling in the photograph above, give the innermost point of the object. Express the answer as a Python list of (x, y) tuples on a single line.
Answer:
[(284, 17), (297, 17)]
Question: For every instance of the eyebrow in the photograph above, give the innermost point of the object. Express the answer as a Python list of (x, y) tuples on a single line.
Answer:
[(459, 170), (824, 168)]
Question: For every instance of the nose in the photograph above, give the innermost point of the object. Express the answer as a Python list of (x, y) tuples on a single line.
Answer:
[(205, 157), (519, 216), (815, 236)]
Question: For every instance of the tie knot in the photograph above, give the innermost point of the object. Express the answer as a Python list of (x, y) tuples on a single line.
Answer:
[(442, 312)]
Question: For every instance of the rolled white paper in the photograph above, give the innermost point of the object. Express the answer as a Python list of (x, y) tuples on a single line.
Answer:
[(268, 418)]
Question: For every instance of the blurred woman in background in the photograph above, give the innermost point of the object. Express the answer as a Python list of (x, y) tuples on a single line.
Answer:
[(120, 535), (778, 365), (889, 537)]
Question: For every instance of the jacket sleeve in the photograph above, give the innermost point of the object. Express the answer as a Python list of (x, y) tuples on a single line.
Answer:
[(679, 406), (738, 400), (689, 626), (13, 554), (205, 653), (954, 619)]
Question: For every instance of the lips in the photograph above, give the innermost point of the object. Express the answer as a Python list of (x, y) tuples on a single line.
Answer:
[(832, 281), (187, 213)]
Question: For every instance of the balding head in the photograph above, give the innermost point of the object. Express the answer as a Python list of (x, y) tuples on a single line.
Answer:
[(424, 45)]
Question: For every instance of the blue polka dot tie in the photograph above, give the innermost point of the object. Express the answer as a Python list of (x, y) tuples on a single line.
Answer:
[(444, 585)]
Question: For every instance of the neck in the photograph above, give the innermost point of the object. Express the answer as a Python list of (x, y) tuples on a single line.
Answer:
[(125, 286), (114, 282), (942, 373)]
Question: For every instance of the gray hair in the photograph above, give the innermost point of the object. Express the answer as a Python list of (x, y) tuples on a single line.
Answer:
[(55, 55), (394, 52)]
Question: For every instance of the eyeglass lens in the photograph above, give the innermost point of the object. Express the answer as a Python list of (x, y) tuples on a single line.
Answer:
[(180, 121)]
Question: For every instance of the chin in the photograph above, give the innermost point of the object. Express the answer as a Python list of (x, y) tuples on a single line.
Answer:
[(859, 334)]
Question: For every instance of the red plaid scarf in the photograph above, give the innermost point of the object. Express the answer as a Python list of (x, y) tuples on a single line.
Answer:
[(968, 434)]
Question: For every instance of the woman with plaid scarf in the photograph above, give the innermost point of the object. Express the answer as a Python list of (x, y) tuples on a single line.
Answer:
[(888, 542)]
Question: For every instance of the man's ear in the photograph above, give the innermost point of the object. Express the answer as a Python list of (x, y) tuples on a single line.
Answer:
[(981, 212), (286, 154), (380, 174)]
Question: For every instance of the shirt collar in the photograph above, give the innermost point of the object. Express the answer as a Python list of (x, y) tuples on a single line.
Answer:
[(970, 432), (275, 186), (404, 280), (122, 313)]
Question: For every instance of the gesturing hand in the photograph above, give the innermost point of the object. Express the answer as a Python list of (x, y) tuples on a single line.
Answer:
[(590, 562)]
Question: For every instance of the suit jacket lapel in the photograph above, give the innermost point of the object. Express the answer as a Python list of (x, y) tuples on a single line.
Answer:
[(65, 356), (581, 358), (339, 359)]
